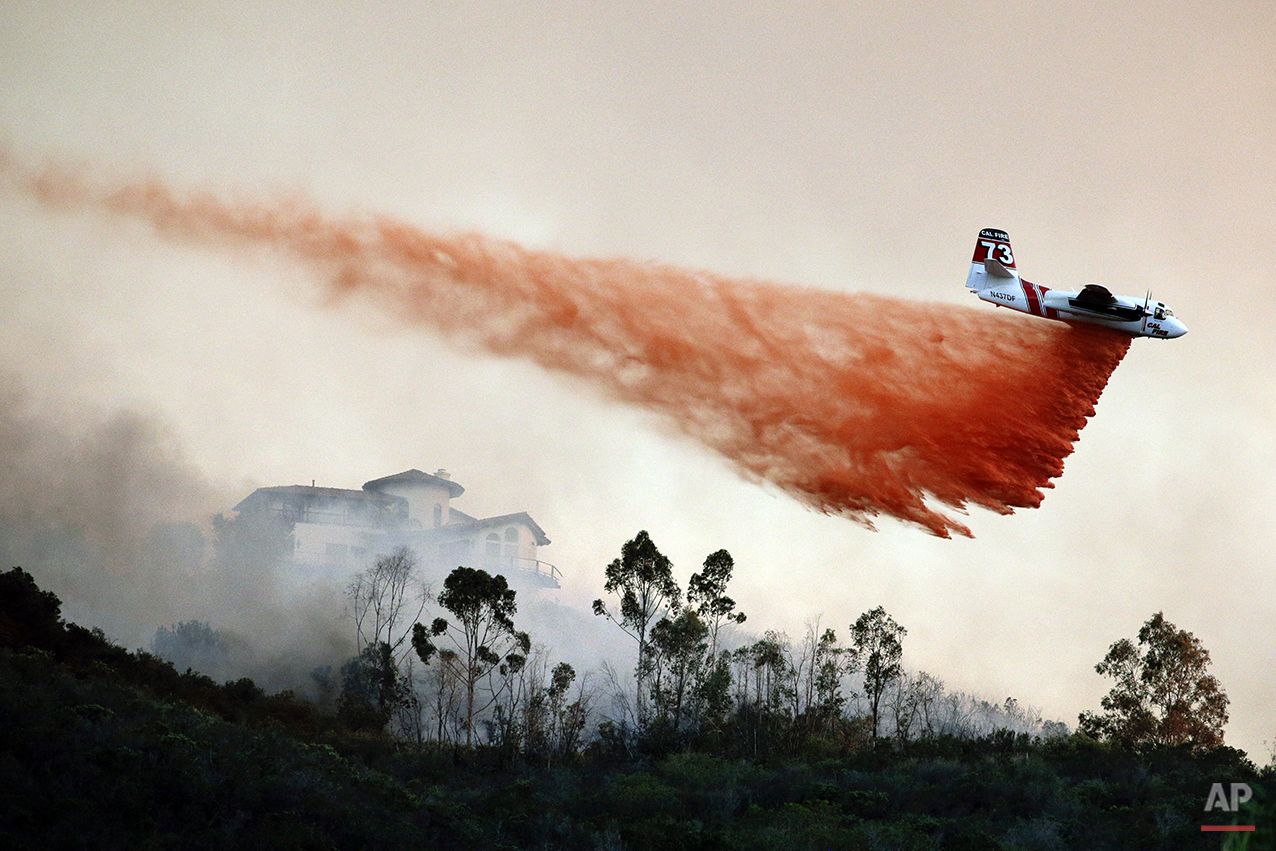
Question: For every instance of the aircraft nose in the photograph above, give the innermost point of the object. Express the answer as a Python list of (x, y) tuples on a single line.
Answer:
[(1176, 328)]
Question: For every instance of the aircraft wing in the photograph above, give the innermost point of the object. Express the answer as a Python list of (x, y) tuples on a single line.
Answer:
[(996, 270)]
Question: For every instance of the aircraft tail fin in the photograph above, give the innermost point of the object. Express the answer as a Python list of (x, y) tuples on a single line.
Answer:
[(993, 259)]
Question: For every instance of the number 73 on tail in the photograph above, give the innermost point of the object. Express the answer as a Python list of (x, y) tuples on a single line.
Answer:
[(994, 279)]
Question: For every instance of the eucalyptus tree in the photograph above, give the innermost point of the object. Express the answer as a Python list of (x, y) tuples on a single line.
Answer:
[(643, 580), (876, 640), (707, 594), (552, 722), (678, 660), (483, 636), (775, 676), (829, 664)]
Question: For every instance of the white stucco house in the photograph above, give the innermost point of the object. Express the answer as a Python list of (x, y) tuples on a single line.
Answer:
[(339, 531)]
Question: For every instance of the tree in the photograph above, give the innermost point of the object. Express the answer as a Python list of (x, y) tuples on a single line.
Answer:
[(916, 700), (28, 615), (775, 678), (484, 637), (643, 580), (707, 593), (372, 688), (445, 686), (828, 664), (678, 654), (384, 599), (763, 720), (568, 720), (821, 665), (875, 638), (713, 691), (1163, 694), (552, 725)]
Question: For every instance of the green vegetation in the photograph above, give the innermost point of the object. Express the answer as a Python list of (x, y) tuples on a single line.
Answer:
[(104, 748)]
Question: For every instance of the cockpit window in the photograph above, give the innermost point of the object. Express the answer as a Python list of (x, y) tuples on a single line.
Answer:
[(1163, 312)]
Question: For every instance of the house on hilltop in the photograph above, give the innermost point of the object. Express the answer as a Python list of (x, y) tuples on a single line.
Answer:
[(338, 531)]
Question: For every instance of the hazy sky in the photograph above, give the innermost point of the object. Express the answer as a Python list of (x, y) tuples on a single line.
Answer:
[(842, 146)]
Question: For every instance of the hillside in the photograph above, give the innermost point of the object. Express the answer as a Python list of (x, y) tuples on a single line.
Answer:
[(105, 748)]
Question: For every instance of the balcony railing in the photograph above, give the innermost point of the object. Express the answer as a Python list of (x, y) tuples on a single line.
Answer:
[(499, 564)]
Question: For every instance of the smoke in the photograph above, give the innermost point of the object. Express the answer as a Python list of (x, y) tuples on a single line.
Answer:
[(103, 509), (857, 405)]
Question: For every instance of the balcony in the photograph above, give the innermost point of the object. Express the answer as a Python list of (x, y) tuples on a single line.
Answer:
[(531, 570)]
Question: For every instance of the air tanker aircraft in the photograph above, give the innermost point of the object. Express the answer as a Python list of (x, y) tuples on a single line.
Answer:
[(994, 279)]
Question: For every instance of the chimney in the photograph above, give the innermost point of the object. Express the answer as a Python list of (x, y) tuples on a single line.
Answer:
[(443, 474)]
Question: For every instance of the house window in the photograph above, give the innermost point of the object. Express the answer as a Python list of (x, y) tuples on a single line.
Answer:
[(511, 543), (493, 546), (438, 515)]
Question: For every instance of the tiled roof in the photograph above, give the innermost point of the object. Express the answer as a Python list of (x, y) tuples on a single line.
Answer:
[(414, 477)]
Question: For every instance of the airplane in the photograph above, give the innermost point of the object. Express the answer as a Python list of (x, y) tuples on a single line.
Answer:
[(994, 279)]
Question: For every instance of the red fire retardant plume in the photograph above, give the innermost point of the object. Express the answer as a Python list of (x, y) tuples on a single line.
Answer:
[(857, 405)]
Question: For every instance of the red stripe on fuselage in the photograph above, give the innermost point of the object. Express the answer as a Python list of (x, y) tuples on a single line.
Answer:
[(1050, 312), (1030, 292)]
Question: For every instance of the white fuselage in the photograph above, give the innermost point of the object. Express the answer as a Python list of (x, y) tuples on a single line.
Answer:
[(1139, 318)]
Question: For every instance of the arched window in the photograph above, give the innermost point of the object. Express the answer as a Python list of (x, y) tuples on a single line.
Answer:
[(493, 546)]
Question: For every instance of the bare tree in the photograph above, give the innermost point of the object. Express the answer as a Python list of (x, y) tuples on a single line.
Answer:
[(385, 600), (623, 719), (821, 668), (956, 718), (905, 704), (445, 687), (927, 690)]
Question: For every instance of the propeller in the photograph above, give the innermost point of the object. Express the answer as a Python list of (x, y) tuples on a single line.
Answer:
[(1147, 299)]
